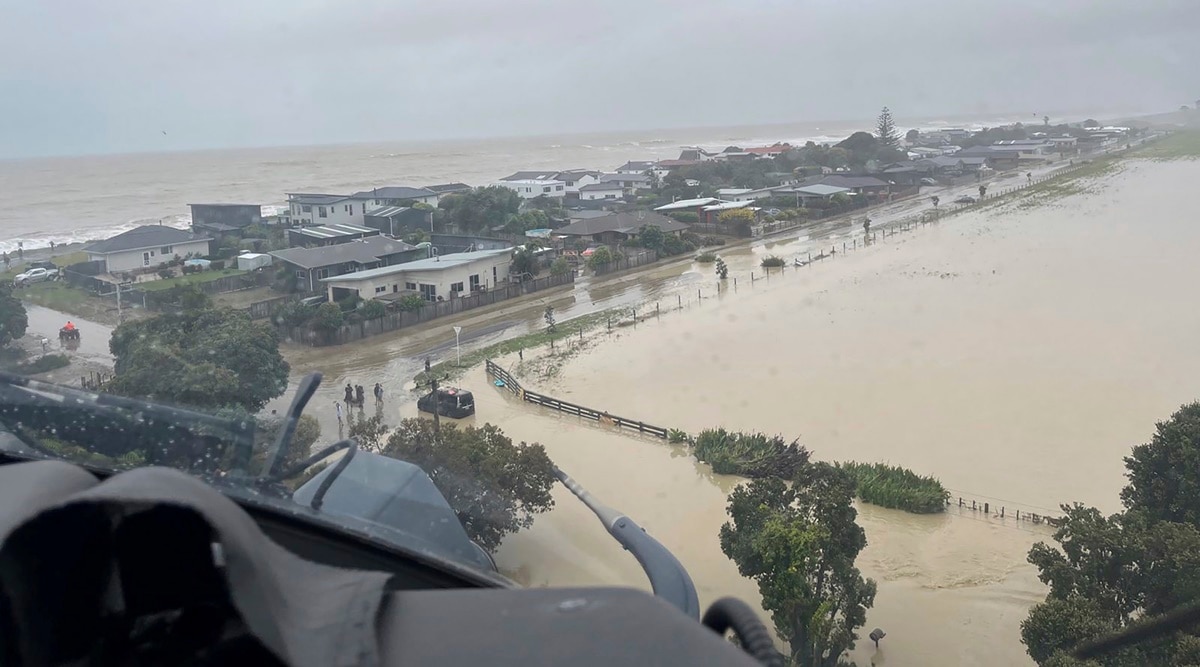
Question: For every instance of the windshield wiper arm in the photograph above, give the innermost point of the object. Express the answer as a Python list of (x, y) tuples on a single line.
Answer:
[(668, 578), (273, 467)]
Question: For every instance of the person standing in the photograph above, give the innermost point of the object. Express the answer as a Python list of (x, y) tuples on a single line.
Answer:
[(378, 393), (7, 261), (359, 395), (338, 407), (349, 397)]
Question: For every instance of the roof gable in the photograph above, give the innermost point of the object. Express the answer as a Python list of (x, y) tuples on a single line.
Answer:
[(146, 236), (626, 222)]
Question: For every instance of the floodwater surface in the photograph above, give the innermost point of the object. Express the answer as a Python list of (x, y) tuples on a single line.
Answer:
[(1017, 354)]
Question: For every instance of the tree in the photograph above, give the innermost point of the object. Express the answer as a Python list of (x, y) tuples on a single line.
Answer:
[(548, 316), (373, 310), (655, 180), (208, 358), (885, 130), (369, 433), (1163, 481), (1108, 572), (527, 220), (799, 542), (559, 266), (13, 318), (1091, 122), (524, 261), (652, 237), (328, 317), (600, 257), (495, 487), (912, 135), (722, 269), (481, 209)]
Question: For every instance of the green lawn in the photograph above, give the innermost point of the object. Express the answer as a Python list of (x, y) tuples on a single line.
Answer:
[(59, 260), (1182, 144), (193, 279), (55, 295)]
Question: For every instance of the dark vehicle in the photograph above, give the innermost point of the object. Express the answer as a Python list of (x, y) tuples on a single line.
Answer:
[(449, 402), (362, 565), (68, 334), (965, 199)]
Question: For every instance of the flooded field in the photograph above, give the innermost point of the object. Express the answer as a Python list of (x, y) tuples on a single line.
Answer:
[(1016, 354)]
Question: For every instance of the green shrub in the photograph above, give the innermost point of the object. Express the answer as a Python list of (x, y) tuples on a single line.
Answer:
[(677, 436), (559, 266), (749, 454), (685, 216), (897, 488), (771, 261), (43, 364), (711, 241), (411, 302), (600, 257), (373, 310), (293, 314), (706, 258), (328, 317)]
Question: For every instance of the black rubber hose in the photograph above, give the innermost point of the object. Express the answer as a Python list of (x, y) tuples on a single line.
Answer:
[(319, 496), (732, 613)]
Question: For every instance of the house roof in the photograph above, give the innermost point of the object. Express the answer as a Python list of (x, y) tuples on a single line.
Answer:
[(770, 150), (638, 178), (636, 165), (727, 205), (842, 181), (146, 236), (387, 211), (944, 161), (687, 203), (627, 222), (314, 199), (445, 188), (576, 174), (676, 163), (334, 231), (394, 192), (607, 186), (432, 264), (815, 189), (362, 251), (532, 176)]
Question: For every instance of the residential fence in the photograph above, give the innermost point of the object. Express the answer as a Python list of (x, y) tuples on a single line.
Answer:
[(628, 262), (510, 383), (261, 310), (165, 299), (348, 333)]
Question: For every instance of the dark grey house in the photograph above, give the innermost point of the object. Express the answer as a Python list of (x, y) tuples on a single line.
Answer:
[(219, 220), (310, 265), (619, 226)]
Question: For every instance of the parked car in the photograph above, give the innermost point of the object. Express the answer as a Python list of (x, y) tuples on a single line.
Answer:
[(965, 199), (928, 181), (33, 276), (772, 211)]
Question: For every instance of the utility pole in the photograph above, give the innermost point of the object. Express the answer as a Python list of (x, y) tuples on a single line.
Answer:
[(437, 404)]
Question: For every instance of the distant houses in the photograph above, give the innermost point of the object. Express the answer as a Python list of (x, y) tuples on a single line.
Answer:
[(434, 278), (310, 265), (619, 227), (217, 221), (146, 247)]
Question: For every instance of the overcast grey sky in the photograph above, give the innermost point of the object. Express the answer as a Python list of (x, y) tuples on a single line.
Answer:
[(85, 77)]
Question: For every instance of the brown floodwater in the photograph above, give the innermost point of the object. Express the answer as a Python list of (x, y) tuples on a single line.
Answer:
[(1016, 353)]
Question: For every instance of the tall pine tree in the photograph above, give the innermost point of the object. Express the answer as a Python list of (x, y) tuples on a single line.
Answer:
[(885, 130)]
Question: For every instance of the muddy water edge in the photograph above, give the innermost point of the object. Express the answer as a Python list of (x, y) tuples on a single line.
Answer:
[(1016, 353)]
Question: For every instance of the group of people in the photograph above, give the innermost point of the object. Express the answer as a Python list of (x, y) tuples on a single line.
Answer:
[(356, 397)]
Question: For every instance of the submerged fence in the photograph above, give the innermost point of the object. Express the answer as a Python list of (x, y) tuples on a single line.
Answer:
[(510, 383), (349, 333)]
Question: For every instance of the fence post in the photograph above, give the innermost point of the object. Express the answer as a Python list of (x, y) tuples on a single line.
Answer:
[(656, 313), (1001, 511), (680, 298), (985, 509)]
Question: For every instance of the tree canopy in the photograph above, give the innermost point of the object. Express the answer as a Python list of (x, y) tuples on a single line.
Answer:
[(799, 542), (885, 130), (208, 358), (1107, 572), (13, 319), (494, 486), (481, 209)]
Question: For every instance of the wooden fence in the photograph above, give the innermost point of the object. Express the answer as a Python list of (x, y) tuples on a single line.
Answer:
[(494, 370), (349, 333), (630, 262), (261, 310)]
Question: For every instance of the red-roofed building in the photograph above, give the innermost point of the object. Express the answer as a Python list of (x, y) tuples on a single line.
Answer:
[(770, 151)]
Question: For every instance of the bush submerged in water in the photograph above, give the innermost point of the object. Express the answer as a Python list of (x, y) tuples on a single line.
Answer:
[(897, 488), (771, 261), (749, 454)]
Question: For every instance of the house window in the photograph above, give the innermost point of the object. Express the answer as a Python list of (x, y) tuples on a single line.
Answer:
[(455, 288), (308, 209), (410, 286), (321, 212), (381, 289), (300, 275), (558, 187), (473, 281), (364, 209), (165, 250), (322, 273), (395, 288), (546, 188), (429, 292)]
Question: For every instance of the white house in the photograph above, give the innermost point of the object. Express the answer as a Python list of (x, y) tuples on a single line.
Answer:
[(532, 188), (442, 277), (325, 209), (395, 195), (575, 179), (631, 182), (146, 246), (609, 190)]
